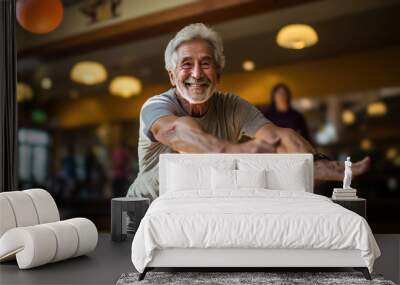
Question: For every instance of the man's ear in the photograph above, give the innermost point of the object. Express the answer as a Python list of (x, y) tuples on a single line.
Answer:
[(171, 77)]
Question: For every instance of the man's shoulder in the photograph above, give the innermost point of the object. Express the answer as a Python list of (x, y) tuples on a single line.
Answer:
[(165, 97), (226, 96), (230, 99)]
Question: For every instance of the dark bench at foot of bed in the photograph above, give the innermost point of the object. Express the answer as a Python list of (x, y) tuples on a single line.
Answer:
[(142, 275)]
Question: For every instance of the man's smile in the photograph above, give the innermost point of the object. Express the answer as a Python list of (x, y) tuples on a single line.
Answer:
[(196, 85)]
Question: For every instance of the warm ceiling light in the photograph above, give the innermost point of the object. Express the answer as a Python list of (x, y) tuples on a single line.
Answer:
[(46, 83), (376, 109), (24, 92), (248, 65), (348, 117), (297, 36), (125, 86), (366, 144), (88, 72)]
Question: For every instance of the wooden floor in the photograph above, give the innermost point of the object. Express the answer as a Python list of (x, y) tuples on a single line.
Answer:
[(110, 260)]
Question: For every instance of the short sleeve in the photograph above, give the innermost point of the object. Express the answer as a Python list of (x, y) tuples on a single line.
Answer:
[(250, 118), (153, 109)]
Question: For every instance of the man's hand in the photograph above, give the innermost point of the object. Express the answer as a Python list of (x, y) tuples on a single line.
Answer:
[(252, 146), (286, 140), (291, 142), (325, 170)]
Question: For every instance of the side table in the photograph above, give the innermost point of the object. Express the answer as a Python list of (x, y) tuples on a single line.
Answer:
[(121, 209), (358, 205)]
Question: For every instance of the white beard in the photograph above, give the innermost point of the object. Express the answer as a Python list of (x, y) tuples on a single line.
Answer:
[(184, 91), (186, 95)]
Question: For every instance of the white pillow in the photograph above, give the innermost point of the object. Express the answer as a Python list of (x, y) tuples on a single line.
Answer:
[(225, 179), (251, 178), (295, 180), (185, 174), (185, 177), (290, 175)]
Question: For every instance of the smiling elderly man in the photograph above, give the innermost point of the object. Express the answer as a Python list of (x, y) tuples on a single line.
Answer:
[(193, 117)]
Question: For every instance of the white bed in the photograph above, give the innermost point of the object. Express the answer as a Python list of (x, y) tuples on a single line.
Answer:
[(202, 220)]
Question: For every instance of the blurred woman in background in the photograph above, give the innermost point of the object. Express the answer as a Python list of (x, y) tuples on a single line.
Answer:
[(281, 112)]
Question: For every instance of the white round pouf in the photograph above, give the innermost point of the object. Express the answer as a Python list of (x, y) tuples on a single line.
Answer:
[(7, 218)]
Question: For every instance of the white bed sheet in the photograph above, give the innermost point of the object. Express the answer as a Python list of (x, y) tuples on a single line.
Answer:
[(252, 218)]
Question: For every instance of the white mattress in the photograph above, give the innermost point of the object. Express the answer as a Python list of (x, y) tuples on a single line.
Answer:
[(256, 218)]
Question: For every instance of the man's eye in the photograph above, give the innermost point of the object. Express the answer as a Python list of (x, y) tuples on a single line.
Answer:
[(186, 65), (205, 64)]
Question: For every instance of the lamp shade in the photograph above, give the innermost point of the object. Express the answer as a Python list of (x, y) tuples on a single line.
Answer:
[(88, 72), (125, 86), (39, 16), (297, 36)]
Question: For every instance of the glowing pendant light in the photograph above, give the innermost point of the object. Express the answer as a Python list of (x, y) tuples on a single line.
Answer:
[(125, 86), (297, 36), (88, 72)]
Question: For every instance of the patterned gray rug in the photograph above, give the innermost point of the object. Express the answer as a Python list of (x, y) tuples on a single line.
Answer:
[(269, 278)]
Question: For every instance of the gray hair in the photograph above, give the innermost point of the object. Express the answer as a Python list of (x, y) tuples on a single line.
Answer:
[(191, 32)]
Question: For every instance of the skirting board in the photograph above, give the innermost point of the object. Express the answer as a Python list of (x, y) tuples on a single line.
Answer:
[(231, 257)]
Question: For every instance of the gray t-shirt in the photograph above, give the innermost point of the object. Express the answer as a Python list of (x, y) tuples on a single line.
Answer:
[(229, 117)]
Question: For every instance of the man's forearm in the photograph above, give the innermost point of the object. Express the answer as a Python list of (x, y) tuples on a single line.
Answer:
[(288, 140), (185, 135)]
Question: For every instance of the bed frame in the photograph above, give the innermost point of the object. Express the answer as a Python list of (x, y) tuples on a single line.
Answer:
[(244, 259), (248, 259)]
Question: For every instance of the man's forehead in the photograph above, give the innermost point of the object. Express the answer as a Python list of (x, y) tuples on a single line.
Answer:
[(195, 48)]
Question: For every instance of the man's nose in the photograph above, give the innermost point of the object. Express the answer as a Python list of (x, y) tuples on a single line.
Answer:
[(197, 72)]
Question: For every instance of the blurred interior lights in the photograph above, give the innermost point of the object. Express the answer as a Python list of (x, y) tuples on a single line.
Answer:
[(397, 161), (391, 153), (297, 36), (306, 104), (392, 183), (366, 144), (348, 117), (39, 116), (248, 65), (46, 83), (376, 109), (24, 92), (88, 72), (326, 135), (125, 86)]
